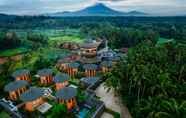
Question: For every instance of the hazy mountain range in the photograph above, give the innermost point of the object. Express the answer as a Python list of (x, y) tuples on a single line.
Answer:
[(98, 9)]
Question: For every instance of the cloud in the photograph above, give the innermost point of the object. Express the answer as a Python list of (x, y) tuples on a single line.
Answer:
[(45, 6)]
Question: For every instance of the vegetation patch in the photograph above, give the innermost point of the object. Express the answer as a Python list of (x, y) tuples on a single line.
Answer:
[(12, 52)]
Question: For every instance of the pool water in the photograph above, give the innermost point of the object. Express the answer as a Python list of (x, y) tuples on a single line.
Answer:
[(83, 112)]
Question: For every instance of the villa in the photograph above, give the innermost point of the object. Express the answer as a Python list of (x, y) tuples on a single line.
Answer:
[(106, 66), (45, 76), (32, 98), (16, 88), (72, 68), (22, 74), (90, 70), (61, 80), (67, 96)]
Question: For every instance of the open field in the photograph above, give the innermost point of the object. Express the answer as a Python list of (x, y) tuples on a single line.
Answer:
[(12, 52)]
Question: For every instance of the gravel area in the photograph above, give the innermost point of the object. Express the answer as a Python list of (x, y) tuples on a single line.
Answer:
[(111, 101)]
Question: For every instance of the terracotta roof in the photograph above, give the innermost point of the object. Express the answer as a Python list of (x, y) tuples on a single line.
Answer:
[(32, 94), (45, 72), (13, 86), (61, 77), (20, 72), (66, 93), (90, 66)]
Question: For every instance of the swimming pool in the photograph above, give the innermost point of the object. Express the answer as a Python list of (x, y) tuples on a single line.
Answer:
[(83, 112)]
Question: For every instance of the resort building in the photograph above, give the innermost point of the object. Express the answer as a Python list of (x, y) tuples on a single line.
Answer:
[(22, 74), (32, 98), (72, 69), (16, 88), (89, 81), (90, 70), (61, 80), (62, 64), (106, 66), (115, 59), (46, 76), (67, 96), (89, 49)]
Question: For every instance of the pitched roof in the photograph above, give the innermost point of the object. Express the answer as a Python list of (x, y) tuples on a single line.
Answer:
[(73, 65), (90, 66), (90, 45), (61, 77), (66, 93), (45, 72), (90, 80), (106, 64), (32, 94), (90, 60), (20, 72), (15, 85)]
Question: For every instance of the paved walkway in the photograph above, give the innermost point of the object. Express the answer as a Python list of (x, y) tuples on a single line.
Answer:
[(111, 101)]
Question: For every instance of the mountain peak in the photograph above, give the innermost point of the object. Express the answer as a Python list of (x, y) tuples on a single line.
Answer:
[(98, 9)]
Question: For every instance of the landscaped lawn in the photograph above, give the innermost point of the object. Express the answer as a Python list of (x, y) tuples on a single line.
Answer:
[(12, 52), (164, 40), (66, 38), (4, 115)]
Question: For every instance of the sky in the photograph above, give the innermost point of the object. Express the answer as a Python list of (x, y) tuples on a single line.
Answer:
[(35, 7)]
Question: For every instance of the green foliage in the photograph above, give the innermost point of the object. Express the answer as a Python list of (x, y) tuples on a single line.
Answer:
[(115, 114), (152, 80), (61, 111), (119, 37), (9, 40), (37, 40)]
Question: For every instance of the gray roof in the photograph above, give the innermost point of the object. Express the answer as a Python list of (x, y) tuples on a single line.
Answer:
[(90, 80), (116, 58), (61, 77), (90, 66), (89, 45), (15, 85), (106, 64), (32, 94), (45, 72), (73, 65), (66, 93), (90, 60), (20, 72)]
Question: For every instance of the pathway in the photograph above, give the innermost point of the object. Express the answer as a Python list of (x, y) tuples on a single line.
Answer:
[(111, 101)]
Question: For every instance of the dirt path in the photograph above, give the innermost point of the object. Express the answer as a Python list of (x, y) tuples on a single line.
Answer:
[(111, 101)]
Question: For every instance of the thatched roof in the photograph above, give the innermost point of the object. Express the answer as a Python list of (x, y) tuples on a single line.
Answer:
[(20, 72), (61, 77), (66, 93), (45, 72), (90, 66), (13, 86), (32, 94)]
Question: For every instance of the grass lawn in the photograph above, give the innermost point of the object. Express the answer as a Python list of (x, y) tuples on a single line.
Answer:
[(164, 40), (4, 115), (12, 52), (66, 38)]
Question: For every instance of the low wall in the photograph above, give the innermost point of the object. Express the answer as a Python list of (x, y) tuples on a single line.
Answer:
[(99, 110)]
